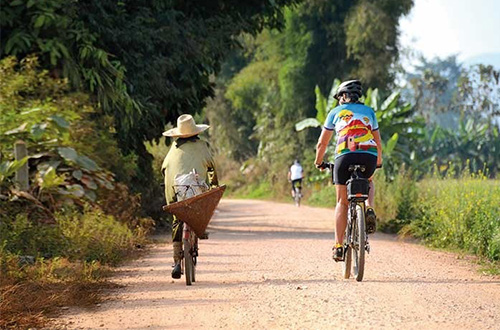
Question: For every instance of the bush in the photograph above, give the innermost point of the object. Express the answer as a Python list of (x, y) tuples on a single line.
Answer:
[(94, 236), (324, 196), (462, 213), (91, 236)]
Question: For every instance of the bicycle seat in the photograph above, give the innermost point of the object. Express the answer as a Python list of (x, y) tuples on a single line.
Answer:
[(353, 168)]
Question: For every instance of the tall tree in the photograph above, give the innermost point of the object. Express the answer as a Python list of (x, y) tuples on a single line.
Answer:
[(145, 61)]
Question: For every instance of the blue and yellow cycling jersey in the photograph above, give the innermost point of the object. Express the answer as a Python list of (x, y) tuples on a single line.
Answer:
[(354, 125)]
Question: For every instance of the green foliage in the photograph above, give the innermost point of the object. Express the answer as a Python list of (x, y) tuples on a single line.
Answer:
[(95, 236), (8, 168), (322, 108), (323, 196), (462, 213), (91, 236), (58, 173), (143, 62)]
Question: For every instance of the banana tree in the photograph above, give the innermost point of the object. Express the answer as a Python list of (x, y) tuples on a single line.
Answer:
[(323, 107)]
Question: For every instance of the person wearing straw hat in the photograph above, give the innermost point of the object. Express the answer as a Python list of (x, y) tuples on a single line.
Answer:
[(186, 153)]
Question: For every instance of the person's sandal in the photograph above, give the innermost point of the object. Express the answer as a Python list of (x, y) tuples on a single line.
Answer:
[(176, 271), (371, 221), (338, 252)]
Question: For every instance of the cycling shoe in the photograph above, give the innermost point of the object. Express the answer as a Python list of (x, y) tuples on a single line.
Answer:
[(338, 252), (371, 221)]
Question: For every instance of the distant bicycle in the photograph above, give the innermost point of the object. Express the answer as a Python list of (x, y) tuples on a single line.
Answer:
[(297, 196), (355, 238)]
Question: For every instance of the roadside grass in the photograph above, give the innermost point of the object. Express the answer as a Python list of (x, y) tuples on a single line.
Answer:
[(46, 267), (456, 214), (31, 294)]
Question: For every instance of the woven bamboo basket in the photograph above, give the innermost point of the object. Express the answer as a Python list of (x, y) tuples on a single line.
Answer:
[(198, 210)]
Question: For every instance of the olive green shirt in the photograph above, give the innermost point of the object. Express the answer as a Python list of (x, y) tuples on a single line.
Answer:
[(182, 159)]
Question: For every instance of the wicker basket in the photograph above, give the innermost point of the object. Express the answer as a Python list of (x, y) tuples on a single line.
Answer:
[(198, 210)]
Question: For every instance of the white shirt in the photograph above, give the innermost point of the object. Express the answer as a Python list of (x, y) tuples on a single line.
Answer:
[(295, 172)]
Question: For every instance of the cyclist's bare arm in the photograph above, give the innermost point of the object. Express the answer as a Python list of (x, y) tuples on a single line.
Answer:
[(376, 136), (323, 141)]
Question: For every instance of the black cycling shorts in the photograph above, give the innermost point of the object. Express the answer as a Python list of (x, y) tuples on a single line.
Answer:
[(297, 183), (341, 173)]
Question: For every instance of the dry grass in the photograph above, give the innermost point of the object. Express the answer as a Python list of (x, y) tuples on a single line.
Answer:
[(31, 304)]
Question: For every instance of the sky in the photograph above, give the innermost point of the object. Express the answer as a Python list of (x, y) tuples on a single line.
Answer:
[(446, 27)]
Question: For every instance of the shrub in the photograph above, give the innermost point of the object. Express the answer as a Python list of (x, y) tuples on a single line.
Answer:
[(94, 236), (461, 213), (91, 236)]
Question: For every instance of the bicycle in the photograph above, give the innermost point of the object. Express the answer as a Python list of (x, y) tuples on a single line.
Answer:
[(190, 254), (297, 196), (356, 238), (195, 212)]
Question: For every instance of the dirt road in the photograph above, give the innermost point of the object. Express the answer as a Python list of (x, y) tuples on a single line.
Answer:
[(268, 266)]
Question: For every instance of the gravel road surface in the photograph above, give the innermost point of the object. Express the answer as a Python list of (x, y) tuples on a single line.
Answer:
[(268, 266)]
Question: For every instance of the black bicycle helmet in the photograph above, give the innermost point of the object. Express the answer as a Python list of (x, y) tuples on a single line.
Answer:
[(350, 86)]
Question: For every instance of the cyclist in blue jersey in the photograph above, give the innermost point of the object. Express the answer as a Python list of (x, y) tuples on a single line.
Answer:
[(358, 143)]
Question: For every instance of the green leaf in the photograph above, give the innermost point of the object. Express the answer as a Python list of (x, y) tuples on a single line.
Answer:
[(390, 102), (77, 174), (16, 3), (374, 101), (8, 168), (68, 153), (37, 130), (75, 190), (320, 105), (39, 21), (306, 123), (60, 121), (389, 147), (31, 3), (87, 163), (368, 97), (91, 195), (332, 101), (49, 179)]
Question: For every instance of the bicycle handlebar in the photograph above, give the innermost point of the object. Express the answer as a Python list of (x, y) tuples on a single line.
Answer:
[(330, 166), (324, 166)]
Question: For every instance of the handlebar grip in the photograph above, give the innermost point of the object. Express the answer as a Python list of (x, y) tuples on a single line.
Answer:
[(324, 166)]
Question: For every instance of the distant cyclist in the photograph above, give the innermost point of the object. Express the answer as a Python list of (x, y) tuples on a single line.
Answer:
[(358, 143), (295, 176)]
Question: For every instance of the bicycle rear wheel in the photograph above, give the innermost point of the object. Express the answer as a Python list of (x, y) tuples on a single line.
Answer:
[(194, 257), (359, 244), (188, 261), (297, 197)]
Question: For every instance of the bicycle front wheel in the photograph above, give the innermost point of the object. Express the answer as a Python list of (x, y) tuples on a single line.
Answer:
[(359, 244), (194, 257), (346, 266), (188, 261)]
